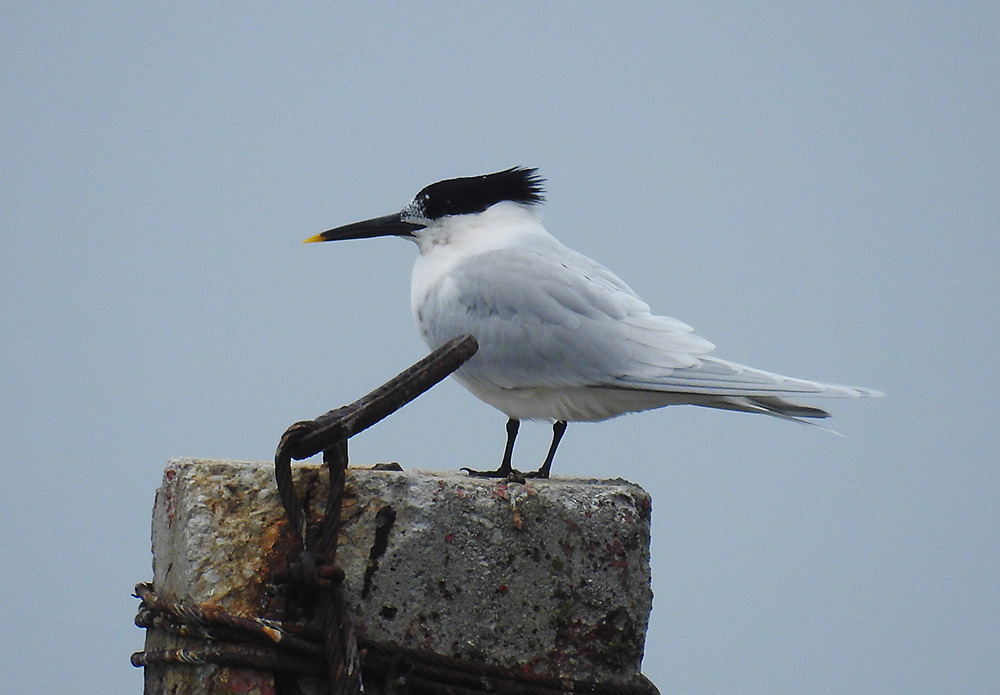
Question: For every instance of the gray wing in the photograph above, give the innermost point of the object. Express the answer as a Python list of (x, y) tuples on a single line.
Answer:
[(554, 318), (547, 316)]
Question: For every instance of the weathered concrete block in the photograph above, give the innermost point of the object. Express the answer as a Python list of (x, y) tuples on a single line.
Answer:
[(552, 575)]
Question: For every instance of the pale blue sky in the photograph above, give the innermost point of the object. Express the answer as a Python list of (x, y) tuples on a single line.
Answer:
[(813, 186)]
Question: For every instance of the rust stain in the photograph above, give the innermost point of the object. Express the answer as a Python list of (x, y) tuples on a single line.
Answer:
[(249, 682)]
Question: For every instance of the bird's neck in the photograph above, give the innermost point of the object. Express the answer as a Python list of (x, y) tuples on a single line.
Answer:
[(500, 226)]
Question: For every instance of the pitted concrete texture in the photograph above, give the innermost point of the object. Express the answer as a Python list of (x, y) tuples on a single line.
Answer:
[(551, 575)]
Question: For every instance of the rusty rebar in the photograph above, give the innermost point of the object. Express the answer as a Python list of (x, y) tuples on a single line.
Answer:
[(318, 545), (427, 671), (347, 421), (309, 437)]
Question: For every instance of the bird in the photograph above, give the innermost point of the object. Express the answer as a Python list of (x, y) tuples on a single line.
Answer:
[(561, 338)]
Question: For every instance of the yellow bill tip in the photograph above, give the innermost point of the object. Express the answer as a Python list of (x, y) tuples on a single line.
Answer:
[(312, 239)]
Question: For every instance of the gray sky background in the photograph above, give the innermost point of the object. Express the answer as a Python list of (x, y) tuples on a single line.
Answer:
[(813, 186)]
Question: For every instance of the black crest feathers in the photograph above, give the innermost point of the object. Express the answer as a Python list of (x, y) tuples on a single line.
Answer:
[(474, 194)]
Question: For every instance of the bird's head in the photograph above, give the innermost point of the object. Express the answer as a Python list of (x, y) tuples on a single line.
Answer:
[(464, 196)]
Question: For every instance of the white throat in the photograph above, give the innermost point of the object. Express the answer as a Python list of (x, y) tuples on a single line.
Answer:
[(499, 226)]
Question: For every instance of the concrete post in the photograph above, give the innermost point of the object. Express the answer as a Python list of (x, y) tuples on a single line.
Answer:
[(552, 575)]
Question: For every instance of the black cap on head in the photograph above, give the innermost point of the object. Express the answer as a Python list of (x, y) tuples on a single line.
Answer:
[(474, 194)]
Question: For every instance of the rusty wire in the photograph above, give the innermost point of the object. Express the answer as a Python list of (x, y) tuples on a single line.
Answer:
[(310, 437), (318, 544), (313, 582), (289, 647)]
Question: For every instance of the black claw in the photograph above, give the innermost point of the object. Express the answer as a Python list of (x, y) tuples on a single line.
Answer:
[(511, 474), (505, 470), (498, 473)]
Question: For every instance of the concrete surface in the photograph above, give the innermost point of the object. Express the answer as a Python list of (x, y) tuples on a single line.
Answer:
[(551, 575)]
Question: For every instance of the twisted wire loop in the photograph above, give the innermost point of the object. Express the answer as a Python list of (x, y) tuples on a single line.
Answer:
[(312, 583), (318, 544), (310, 437), (297, 649), (338, 631)]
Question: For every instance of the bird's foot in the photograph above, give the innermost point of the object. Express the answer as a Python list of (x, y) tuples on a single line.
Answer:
[(511, 474), (541, 473), (391, 466)]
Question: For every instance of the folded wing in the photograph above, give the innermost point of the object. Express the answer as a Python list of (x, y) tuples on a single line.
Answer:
[(552, 318)]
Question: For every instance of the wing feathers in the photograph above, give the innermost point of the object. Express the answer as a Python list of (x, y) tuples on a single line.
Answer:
[(713, 376), (549, 318)]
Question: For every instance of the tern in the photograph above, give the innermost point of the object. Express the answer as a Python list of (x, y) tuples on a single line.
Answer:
[(561, 338)]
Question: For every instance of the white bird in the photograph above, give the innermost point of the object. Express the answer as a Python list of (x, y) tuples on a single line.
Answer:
[(561, 338)]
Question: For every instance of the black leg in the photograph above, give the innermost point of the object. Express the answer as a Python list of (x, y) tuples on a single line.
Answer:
[(558, 429), (506, 469)]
